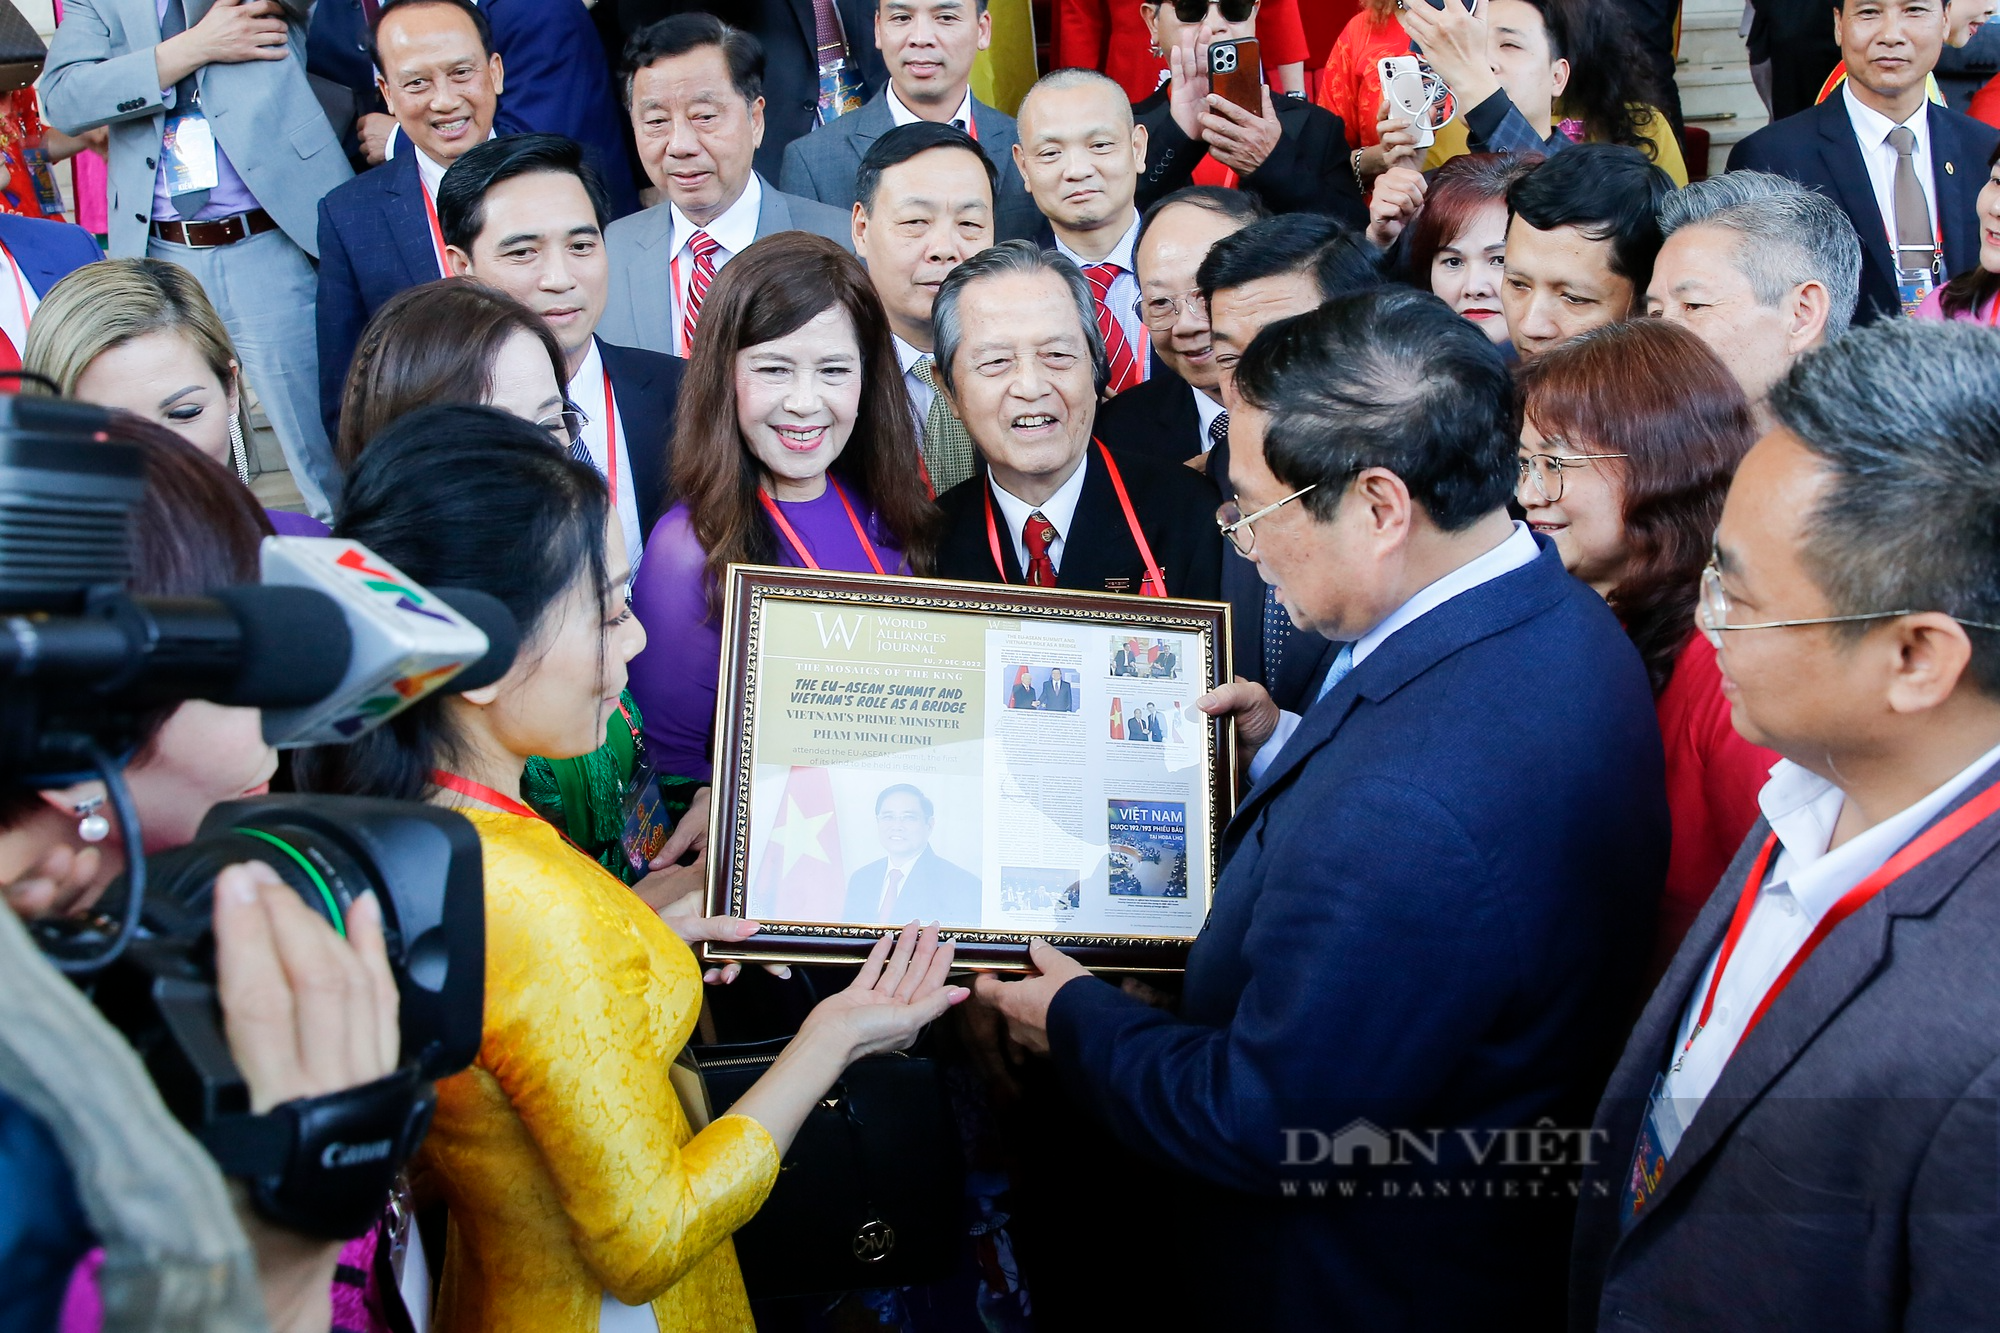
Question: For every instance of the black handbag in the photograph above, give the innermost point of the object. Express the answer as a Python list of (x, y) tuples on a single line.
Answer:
[(22, 52), (872, 1192)]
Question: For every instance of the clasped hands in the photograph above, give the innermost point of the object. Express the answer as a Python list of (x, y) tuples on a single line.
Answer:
[(1239, 139)]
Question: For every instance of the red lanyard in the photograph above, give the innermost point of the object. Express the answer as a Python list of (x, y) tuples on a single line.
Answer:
[(610, 440), (479, 791), (437, 232), (1920, 849), (1154, 584), (792, 536)]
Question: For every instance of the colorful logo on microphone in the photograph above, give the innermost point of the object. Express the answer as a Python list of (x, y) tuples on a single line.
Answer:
[(384, 582)]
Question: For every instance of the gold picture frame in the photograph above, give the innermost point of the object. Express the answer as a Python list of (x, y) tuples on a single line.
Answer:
[(979, 732)]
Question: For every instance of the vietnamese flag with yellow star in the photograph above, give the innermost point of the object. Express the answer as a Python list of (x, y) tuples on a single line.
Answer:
[(800, 878)]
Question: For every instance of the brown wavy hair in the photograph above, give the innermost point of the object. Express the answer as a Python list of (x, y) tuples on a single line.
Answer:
[(1655, 393), (772, 289), (435, 343)]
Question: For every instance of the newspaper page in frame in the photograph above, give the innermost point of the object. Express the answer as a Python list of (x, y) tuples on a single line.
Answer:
[(1006, 773)]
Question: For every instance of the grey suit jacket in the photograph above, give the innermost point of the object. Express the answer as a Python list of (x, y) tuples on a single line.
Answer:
[(1845, 1170), (100, 71), (639, 310), (823, 164)]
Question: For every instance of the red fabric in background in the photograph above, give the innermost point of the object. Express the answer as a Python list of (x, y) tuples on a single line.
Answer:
[(1110, 35), (1713, 777)]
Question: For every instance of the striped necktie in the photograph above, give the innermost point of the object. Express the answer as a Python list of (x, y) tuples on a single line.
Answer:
[(948, 451), (705, 248), (1124, 362)]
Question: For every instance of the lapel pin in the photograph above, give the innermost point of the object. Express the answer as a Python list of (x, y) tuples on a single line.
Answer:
[(1947, 169)]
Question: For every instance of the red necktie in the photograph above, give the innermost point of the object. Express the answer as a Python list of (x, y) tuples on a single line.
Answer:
[(1036, 534), (890, 887), (705, 248), (1124, 363)]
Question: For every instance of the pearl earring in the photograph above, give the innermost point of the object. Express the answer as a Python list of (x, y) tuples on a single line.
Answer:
[(90, 825)]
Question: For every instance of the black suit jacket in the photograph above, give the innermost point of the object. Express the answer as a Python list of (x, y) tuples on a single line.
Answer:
[(1307, 172), (647, 386), (1292, 679), (1845, 1170), (1176, 510), (1155, 418), (374, 241), (791, 60), (1817, 147)]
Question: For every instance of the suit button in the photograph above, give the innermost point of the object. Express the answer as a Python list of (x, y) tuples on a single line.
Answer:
[(138, 217), (149, 164)]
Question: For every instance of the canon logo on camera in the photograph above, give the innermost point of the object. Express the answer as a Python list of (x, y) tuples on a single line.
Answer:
[(337, 1155)]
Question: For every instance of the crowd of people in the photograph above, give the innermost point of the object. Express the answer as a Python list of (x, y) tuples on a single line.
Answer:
[(1611, 556)]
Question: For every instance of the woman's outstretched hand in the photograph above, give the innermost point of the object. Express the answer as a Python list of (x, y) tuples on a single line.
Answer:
[(897, 992)]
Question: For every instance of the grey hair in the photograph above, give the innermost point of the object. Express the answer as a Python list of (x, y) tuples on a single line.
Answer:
[(993, 262), (1786, 234), (1058, 80), (1905, 416)]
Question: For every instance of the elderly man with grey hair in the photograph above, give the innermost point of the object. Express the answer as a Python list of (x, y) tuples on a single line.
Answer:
[(1021, 360), (1760, 268)]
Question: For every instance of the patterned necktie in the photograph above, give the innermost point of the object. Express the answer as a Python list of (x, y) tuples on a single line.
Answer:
[(1916, 239), (1036, 534), (948, 452), (1124, 362), (839, 92), (1343, 662), (705, 249), (890, 888)]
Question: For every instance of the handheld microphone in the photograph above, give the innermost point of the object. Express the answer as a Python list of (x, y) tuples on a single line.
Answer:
[(407, 641)]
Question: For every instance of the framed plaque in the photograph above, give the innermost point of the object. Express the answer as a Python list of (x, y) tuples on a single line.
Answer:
[(1007, 761)]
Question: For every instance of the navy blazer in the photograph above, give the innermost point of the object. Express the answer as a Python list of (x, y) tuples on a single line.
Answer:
[(1844, 1172), (1817, 147), (47, 251), (558, 82), (374, 241), (823, 165), (936, 890), (647, 386), (1430, 914)]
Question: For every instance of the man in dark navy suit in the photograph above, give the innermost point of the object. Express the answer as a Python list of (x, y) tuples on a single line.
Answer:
[(526, 214), (442, 80), (1433, 903), (911, 883), (1906, 171), (1021, 360)]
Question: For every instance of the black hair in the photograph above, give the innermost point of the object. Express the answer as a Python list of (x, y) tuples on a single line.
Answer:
[(1288, 243), (1904, 415), (1964, 294), (461, 197), (1347, 263), (466, 497), (678, 34), (1239, 207), (465, 7), (1609, 192), (1611, 89), (905, 789), (904, 142), (1388, 378)]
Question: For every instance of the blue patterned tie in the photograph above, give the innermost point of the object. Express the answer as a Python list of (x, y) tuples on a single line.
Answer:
[(1343, 662)]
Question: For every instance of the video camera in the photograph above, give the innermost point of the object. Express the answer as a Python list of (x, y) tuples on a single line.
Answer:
[(332, 642)]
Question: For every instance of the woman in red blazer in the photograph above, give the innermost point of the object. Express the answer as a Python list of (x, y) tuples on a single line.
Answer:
[(1629, 438)]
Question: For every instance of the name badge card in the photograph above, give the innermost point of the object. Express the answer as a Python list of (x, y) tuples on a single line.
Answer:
[(187, 153)]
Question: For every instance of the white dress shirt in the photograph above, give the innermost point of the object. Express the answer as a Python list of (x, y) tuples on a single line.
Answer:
[(1806, 881), (920, 392), (962, 117), (1059, 509), (1123, 294), (1871, 130), (586, 390), (1519, 549), (18, 302), (734, 230), (1207, 410)]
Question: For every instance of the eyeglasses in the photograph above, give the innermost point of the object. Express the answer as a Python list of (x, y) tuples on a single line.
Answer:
[(1161, 312), (1713, 612), (1235, 524), (1547, 471), (567, 425), (1233, 11)]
